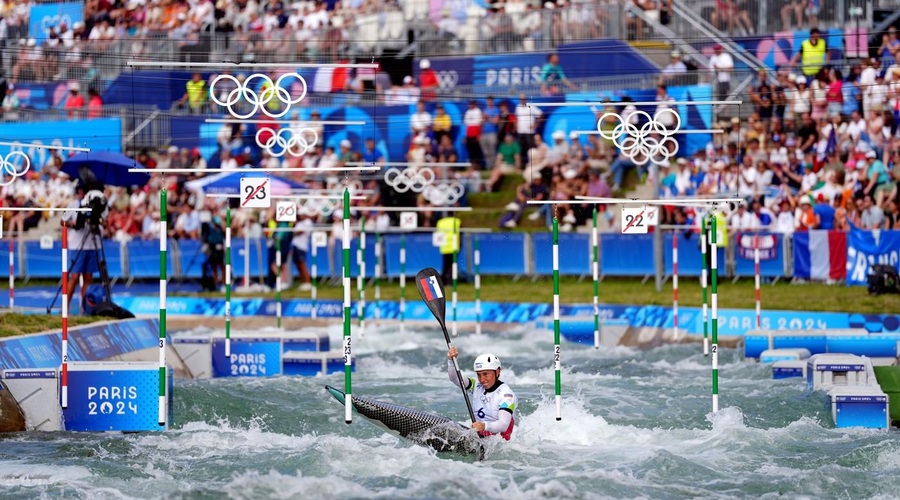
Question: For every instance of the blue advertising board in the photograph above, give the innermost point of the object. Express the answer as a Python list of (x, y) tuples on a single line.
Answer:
[(43, 16), (113, 397), (250, 357), (99, 135)]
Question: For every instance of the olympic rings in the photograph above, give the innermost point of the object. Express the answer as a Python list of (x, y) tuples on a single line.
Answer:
[(410, 179), (444, 194), (271, 90), (294, 143), (316, 207), (9, 172), (652, 142)]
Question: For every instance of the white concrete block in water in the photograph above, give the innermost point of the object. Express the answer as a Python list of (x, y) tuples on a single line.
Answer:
[(860, 406), (770, 356), (37, 392), (825, 370), (789, 369)]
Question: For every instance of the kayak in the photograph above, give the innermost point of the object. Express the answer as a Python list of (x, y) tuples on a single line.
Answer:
[(428, 429)]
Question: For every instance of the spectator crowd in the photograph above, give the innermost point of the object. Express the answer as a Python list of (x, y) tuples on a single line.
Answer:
[(821, 149)]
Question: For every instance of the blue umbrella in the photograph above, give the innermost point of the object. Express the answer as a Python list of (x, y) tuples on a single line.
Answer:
[(230, 183), (107, 167)]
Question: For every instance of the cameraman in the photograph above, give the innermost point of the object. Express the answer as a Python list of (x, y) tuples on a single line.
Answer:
[(213, 234), (84, 230)]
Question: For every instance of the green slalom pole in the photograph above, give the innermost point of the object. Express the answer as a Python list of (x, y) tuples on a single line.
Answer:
[(361, 276), (377, 275), (714, 279), (402, 283), (348, 398), (595, 268), (703, 284), (163, 237), (556, 353), (228, 281), (477, 259)]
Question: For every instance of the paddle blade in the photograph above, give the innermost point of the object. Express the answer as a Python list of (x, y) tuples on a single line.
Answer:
[(431, 289)]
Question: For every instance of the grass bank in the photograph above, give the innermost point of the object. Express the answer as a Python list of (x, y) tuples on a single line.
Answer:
[(740, 295)]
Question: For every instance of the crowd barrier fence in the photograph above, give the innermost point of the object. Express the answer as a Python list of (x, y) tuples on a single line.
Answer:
[(502, 253)]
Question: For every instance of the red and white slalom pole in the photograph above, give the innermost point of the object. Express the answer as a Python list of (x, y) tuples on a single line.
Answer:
[(65, 318), (756, 280), (675, 285)]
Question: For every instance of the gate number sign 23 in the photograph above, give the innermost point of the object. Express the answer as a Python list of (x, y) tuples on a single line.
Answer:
[(255, 192)]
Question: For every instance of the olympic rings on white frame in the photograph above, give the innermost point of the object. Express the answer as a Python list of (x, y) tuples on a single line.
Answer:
[(9, 172), (409, 179), (293, 142), (444, 194), (652, 142), (312, 207), (271, 90)]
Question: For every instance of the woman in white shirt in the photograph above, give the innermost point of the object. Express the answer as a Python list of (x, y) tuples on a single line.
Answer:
[(784, 222), (799, 98)]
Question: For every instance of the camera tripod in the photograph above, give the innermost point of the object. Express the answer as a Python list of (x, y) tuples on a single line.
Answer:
[(105, 308)]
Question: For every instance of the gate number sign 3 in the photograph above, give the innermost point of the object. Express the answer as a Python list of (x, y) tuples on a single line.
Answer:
[(255, 192), (286, 211)]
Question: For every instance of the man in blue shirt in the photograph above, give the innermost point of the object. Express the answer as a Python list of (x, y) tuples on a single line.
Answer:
[(370, 154), (824, 213), (491, 115)]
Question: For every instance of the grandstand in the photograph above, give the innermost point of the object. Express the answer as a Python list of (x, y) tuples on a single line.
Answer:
[(815, 146)]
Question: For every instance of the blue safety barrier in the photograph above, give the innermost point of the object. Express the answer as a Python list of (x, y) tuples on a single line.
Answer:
[(190, 258), (690, 258), (754, 345), (338, 256), (323, 262), (815, 343), (501, 253), (45, 263), (420, 253), (115, 262), (574, 254), (874, 345), (771, 255), (626, 254), (143, 259), (258, 259)]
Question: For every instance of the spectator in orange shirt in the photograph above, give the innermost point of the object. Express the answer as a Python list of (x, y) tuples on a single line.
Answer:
[(95, 103), (75, 101)]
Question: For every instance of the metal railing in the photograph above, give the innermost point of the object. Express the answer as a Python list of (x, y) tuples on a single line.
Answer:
[(768, 17)]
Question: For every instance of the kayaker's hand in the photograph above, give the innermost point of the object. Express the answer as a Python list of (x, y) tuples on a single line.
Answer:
[(452, 353), (478, 426)]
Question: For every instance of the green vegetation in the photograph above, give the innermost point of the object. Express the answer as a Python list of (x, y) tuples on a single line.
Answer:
[(740, 295), (12, 324)]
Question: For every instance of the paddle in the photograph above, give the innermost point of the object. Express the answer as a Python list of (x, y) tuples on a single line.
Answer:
[(428, 281)]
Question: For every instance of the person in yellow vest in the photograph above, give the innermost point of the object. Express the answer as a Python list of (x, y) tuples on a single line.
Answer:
[(813, 54), (721, 228), (196, 95), (449, 228)]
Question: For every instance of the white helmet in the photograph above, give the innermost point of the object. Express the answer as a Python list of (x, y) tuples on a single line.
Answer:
[(487, 362)]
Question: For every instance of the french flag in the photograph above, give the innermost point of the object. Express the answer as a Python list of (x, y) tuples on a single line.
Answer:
[(431, 288), (820, 255)]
